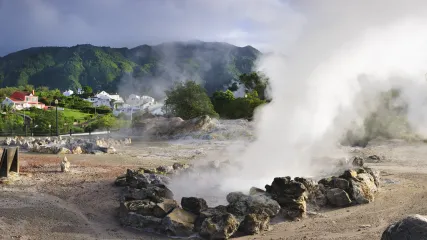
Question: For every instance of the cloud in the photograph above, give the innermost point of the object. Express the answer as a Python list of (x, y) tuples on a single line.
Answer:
[(128, 23)]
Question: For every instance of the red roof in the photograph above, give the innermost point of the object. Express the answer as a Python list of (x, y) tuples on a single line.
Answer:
[(19, 96)]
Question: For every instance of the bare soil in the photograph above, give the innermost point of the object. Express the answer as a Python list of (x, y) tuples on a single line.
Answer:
[(82, 204)]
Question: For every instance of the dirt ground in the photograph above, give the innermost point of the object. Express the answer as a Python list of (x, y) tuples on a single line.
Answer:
[(82, 204)]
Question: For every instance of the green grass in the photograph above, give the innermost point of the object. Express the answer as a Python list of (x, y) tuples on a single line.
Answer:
[(75, 114)]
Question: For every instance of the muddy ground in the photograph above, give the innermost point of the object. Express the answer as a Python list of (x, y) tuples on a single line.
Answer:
[(82, 204)]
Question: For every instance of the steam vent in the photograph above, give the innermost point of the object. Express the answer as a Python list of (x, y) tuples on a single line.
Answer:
[(148, 204)]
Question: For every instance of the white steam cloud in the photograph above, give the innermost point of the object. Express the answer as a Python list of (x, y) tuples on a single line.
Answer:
[(345, 54)]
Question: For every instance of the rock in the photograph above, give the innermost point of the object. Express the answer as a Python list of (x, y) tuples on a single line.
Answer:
[(360, 192), (374, 159), (364, 188), (140, 221), (349, 174), (338, 197), (109, 150), (77, 150), (290, 195), (143, 207), (121, 181), (318, 197), (255, 223), (194, 205), (156, 193), (164, 169), (411, 227), (358, 162), (164, 208), (375, 174), (309, 184), (219, 210), (255, 191), (241, 205), (178, 166), (219, 226), (65, 165), (63, 150), (179, 223), (341, 183), (235, 197)]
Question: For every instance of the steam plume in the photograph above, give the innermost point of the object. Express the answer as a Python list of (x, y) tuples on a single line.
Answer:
[(344, 56)]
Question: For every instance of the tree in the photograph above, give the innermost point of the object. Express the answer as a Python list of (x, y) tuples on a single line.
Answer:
[(222, 101), (87, 91), (188, 100), (255, 81)]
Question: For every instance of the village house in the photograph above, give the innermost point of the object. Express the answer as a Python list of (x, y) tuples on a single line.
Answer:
[(68, 93), (23, 100), (105, 99)]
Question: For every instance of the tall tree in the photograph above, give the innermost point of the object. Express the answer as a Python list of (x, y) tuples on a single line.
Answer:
[(188, 100)]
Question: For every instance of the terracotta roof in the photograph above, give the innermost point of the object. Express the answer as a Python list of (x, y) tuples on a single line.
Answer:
[(19, 96)]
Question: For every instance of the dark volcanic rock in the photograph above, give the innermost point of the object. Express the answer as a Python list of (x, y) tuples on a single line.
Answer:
[(164, 208), (140, 221), (290, 195), (338, 197), (155, 193), (241, 204), (194, 205), (358, 162), (411, 227)]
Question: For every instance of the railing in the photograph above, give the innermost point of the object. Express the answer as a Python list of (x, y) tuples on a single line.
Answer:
[(51, 133)]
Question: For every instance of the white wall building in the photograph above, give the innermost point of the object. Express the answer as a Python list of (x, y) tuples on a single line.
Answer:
[(68, 93), (135, 104), (105, 99)]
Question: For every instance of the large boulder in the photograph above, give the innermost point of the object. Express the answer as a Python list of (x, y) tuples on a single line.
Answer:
[(254, 223), (338, 197), (194, 205), (290, 195), (363, 188), (219, 226), (411, 227), (241, 204), (179, 223)]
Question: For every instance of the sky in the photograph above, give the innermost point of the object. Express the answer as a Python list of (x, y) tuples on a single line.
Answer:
[(129, 23)]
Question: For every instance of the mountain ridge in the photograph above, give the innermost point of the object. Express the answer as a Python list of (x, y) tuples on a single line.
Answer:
[(142, 68)]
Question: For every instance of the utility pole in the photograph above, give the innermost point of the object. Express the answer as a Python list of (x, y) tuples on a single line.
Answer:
[(57, 130)]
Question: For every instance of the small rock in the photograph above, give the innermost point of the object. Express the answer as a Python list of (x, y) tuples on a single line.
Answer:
[(358, 162), (65, 165), (77, 150), (164, 208)]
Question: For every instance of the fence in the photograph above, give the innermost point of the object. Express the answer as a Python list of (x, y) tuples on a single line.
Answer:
[(38, 133)]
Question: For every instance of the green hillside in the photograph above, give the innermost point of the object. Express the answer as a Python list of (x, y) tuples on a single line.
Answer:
[(141, 68)]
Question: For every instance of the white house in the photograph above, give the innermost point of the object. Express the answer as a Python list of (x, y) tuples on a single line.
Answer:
[(136, 100), (80, 91), (135, 103), (68, 93), (105, 99)]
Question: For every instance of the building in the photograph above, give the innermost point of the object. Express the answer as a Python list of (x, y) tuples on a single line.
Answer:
[(23, 100), (135, 100), (68, 93), (105, 99), (135, 103), (80, 91)]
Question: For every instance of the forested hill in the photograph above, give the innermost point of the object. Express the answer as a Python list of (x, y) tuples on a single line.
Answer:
[(211, 63)]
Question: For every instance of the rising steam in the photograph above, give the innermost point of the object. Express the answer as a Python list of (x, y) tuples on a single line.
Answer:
[(344, 56)]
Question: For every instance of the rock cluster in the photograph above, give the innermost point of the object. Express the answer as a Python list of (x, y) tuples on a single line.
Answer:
[(55, 145), (147, 203)]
